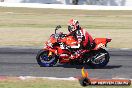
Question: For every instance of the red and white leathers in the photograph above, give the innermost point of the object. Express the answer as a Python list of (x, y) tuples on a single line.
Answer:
[(83, 39)]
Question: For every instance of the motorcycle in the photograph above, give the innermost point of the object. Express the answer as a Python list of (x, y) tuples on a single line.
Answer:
[(53, 52)]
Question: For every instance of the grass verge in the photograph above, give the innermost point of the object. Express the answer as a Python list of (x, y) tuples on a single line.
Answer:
[(46, 83), (31, 27)]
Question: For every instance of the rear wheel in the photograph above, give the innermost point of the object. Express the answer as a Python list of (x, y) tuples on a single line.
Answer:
[(44, 60), (100, 59)]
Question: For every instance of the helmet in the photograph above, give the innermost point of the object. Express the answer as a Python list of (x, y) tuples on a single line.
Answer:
[(73, 25)]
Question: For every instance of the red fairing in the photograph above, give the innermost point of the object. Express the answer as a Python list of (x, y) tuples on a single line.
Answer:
[(100, 42), (88, 37)]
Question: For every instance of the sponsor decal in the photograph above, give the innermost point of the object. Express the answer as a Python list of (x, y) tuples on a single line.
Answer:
[(84, 80)]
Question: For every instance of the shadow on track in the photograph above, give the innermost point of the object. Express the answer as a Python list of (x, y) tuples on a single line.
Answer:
[(87, 67)]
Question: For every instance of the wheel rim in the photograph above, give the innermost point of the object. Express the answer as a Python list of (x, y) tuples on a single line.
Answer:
[(99, 58), (45, 59)]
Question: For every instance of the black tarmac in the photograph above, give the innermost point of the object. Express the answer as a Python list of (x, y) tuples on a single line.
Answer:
[(22, 62)]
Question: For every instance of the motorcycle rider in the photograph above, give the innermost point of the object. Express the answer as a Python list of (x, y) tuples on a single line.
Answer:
[(84, 40)]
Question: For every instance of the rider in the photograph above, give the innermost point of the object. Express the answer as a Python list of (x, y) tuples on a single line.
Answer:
[(84, 40)]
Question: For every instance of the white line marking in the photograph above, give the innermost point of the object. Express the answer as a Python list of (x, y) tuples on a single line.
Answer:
[(51, 78), (122, 78), (62, 6), (55, 78)]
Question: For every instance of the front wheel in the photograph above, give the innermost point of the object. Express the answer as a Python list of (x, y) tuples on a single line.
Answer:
[(100, 59), (44, 60)]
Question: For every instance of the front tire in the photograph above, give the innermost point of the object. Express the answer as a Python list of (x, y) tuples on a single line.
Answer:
[(44, 60), (100, 59)]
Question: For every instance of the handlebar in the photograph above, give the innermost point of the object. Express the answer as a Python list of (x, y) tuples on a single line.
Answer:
[(59, 35)]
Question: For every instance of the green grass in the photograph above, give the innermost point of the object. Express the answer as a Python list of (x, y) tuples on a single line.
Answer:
[(45, 83), (21, 17), (34, 26)]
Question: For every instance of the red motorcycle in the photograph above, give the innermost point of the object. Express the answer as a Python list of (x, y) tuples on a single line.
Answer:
[(53, 53)]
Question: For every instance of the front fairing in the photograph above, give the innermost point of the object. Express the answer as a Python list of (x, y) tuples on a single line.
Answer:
[(51, 41)]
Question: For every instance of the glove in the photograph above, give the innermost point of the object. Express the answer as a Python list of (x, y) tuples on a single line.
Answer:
[(77, 46)]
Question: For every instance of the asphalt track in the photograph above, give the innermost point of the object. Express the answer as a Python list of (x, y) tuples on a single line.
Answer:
[(22, 62)]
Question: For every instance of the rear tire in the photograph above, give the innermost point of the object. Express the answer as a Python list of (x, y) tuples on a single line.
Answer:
[(44, 60), (102, 63)]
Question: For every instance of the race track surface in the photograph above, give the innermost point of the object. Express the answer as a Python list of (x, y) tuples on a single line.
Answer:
[(22, 62)]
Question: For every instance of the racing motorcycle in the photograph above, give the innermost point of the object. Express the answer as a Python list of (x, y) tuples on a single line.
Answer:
[(53, 52)]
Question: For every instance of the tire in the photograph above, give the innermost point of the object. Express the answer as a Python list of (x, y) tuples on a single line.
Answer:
[(101, 64), (44, 60)]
